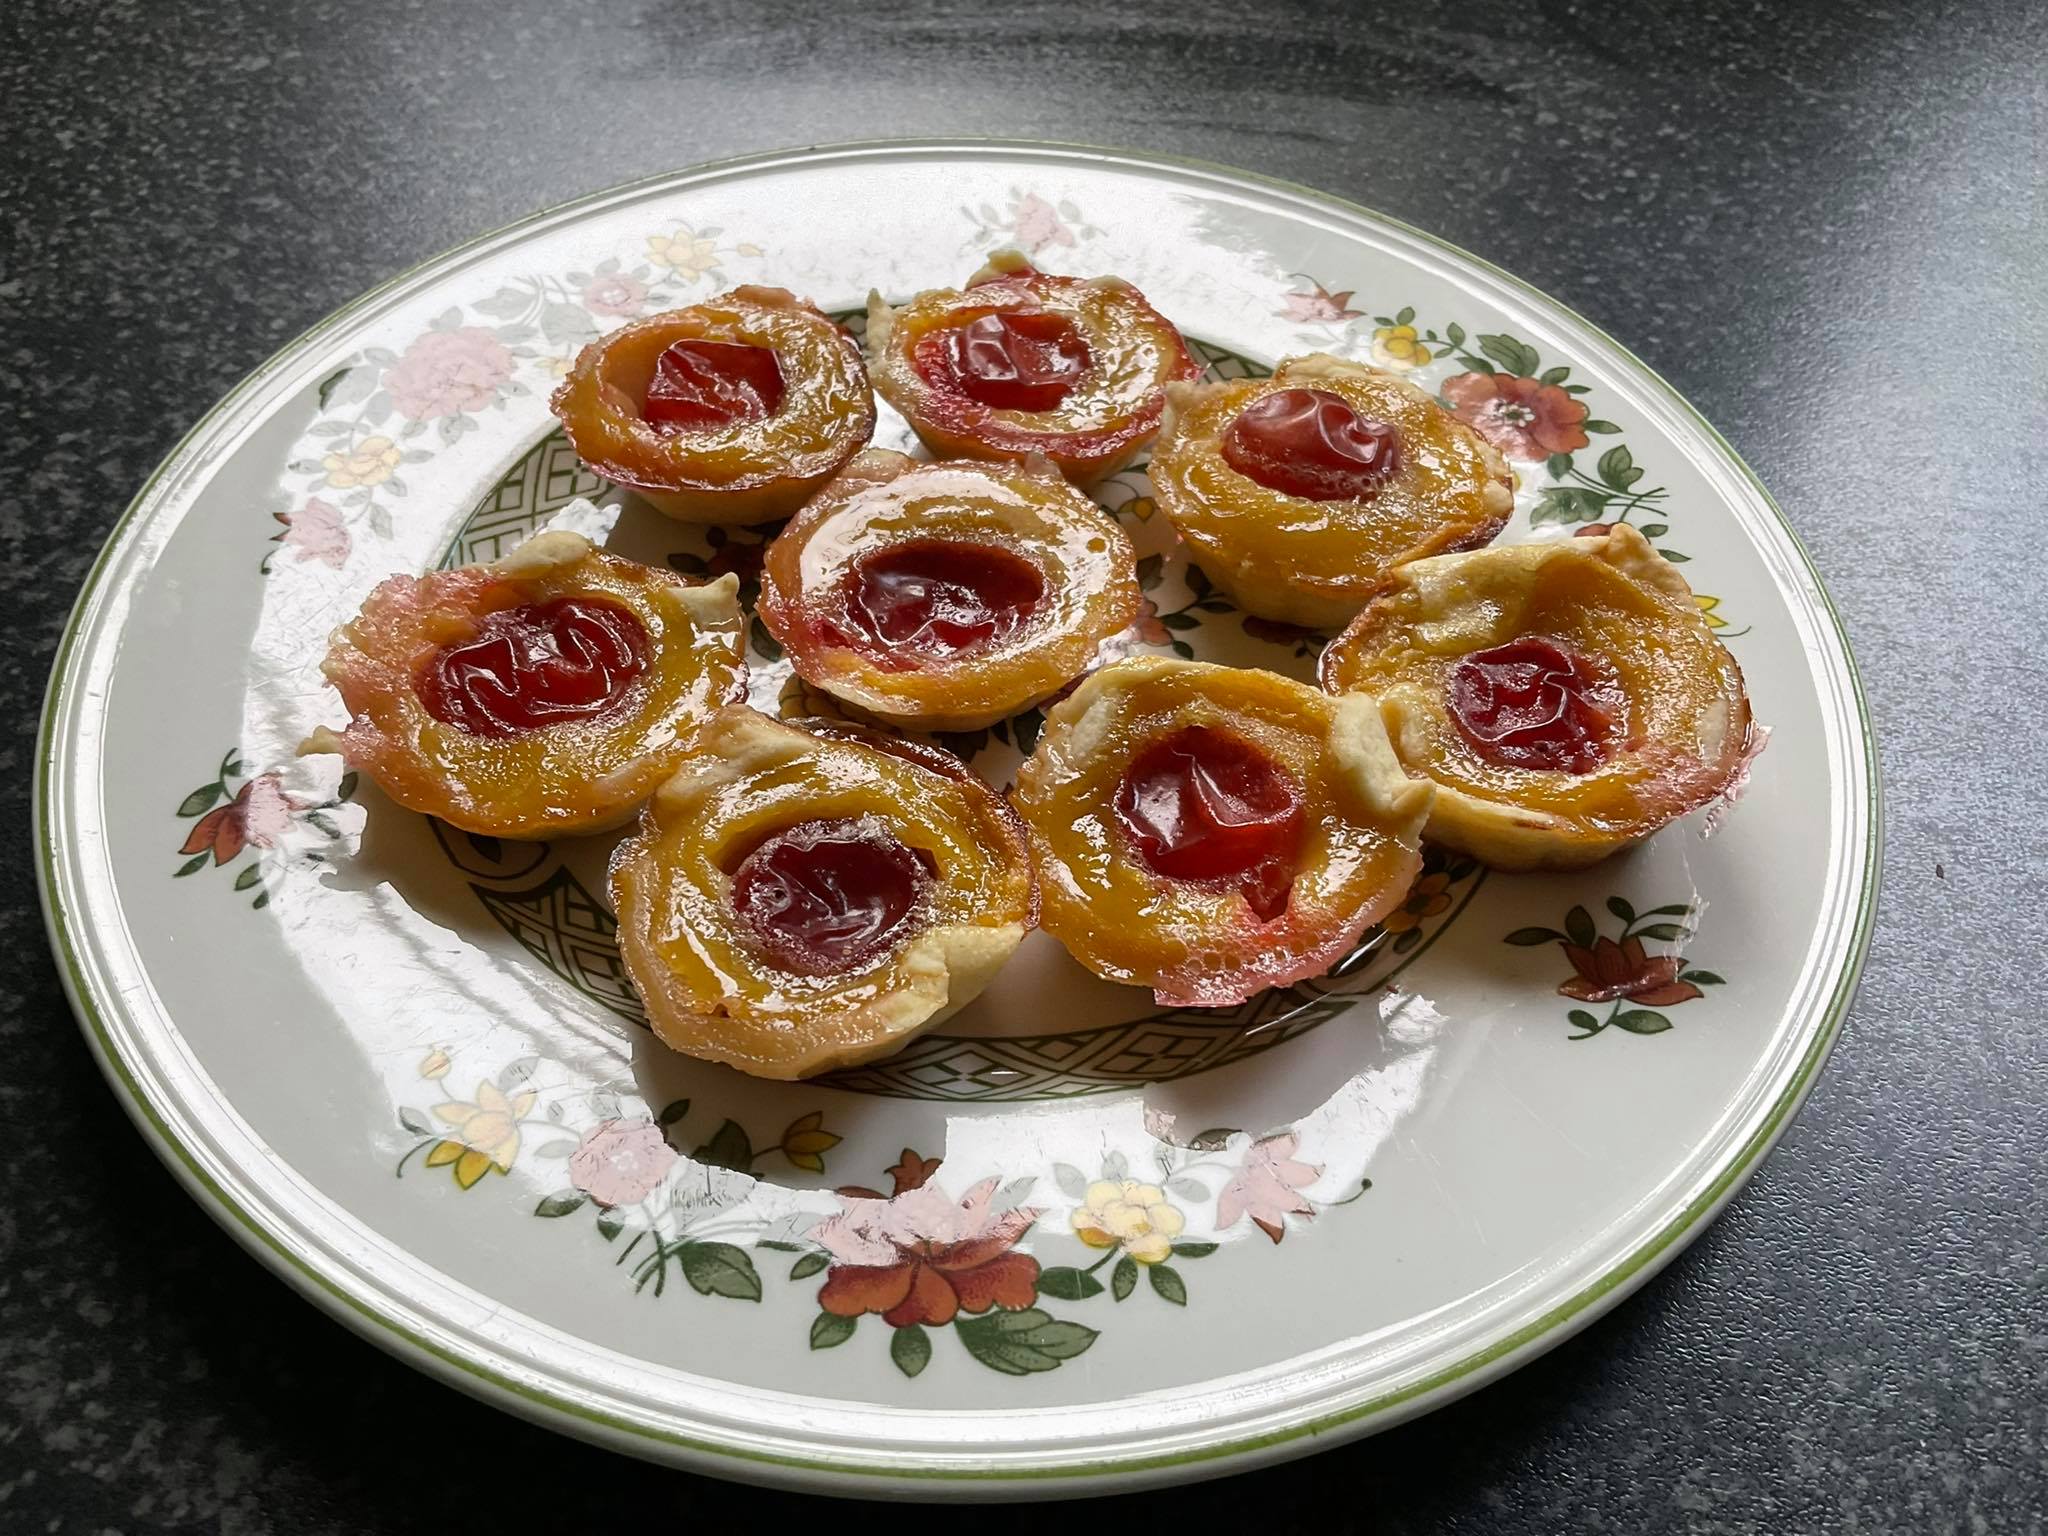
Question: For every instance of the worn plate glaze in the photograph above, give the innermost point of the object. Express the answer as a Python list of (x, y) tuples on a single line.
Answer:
[(1069, 1240)]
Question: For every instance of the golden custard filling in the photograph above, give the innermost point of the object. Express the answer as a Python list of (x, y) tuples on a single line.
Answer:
[(800, 898), (946, 596), (1296, 493), (1567, 698), (1209, 831), (734, 410), (546, 693), (1021, 361)]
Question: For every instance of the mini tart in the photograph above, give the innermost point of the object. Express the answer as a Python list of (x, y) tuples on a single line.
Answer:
[(771, 835), (547, 693), (946, 597), (752, 468), (1650, 720), (1091, 360), (1333, 822), (1314, 561)]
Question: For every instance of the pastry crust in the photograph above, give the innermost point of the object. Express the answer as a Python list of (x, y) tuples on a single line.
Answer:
[(579, 776), (1194, 944), (1105, 423), (1083, 555), (750, 471), (1314, 563), (1612, 598), (711, 995)]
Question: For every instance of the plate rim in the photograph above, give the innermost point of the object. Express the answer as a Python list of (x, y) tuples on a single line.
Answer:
[(473, 1373)]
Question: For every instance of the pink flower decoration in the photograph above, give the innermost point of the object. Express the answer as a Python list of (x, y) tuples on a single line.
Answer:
[(1265, 1187), (1039, 224), (1147, 626), (616, 294), (924, 1257), (621, 1162), (257, 817), (315, 532), (445, 373), (1317, 305)]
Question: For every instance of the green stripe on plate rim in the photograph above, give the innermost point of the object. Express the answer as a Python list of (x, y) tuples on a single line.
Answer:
[(480, 1379)]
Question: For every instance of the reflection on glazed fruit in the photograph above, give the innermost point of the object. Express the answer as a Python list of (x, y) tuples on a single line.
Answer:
[(825, 897), (700, 386), (1533, 704), (536, 665), (1203, 804), (1311, 443), (934, 599), (1016, 359)]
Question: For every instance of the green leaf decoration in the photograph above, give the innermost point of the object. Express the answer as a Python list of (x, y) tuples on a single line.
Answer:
[(262, 900), (1559, 465), (1188, 1189), (911, 1349), (1068, 1283), (1198, 581), (779, 1245), (610, 1224), (1027, 727), (1115, 1166), (727, 1148), (1579, 924), (1180, 621), (517, 1072), (1653, 530), (347, 788), (560, 1203), (1555, 375), (1022, 1343), (808, 1266), (1124, 1278), (1406, 316), (829, 1330), (1527, 937), (1617, 467), (1676, 909), (415, 1122), (1215, 1139), (1674, 556), (199, 801), (1167, 1282), (1569, 504), (673, 1112), (1594, 424), (1183, 650), (720, 1269), (1149, 569), (193, 865), (1454, 333), (1072, 1182), (566, 325), (1641, 1021), (248, 877), (1511, 354), (1702, 978), (1193, 1250), (1580, 1019), (1620, 908), (1665, 931)]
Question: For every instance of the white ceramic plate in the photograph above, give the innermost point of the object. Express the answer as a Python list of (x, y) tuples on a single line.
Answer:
[(1340, 1204)]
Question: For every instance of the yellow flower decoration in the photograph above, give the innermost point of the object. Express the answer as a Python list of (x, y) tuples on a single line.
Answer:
[(1140, 507), (1708, 605), (805, 1145), (1428, 896), (1128, 1215), (486, 1133), (435, 1063), (370, 462), (685, 253), (1396, 346), (748, 248)]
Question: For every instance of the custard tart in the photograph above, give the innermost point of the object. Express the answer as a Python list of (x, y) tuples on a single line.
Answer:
[(1567, 699), (547, 693), (946, 597), (1208, 831), (805, 896), (1021, 361), (731, 411), (1296, 493)]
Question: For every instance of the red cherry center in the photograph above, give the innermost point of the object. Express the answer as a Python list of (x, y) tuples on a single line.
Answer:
[(700, 386), (540, 664), (1203, 804), (934, 599), (1533, 704), (1311, 443), (825, 897), (1011, 359)]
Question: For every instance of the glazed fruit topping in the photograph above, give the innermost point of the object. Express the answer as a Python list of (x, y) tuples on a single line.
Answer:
[(539, 664), (825, 897), (700, 386), (1311, 443), (1533, 704), (934, 599), (1203, 804), (1009, 359)]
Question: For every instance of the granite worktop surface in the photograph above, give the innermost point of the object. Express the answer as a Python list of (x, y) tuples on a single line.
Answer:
[(1823, 223)]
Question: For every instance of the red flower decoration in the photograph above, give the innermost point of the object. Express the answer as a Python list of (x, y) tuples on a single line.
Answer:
[(1609, 970), (1523, 418), (257, 816), (923, 1257)]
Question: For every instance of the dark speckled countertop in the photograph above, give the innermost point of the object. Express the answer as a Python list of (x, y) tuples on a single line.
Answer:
[(1824, 223)]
